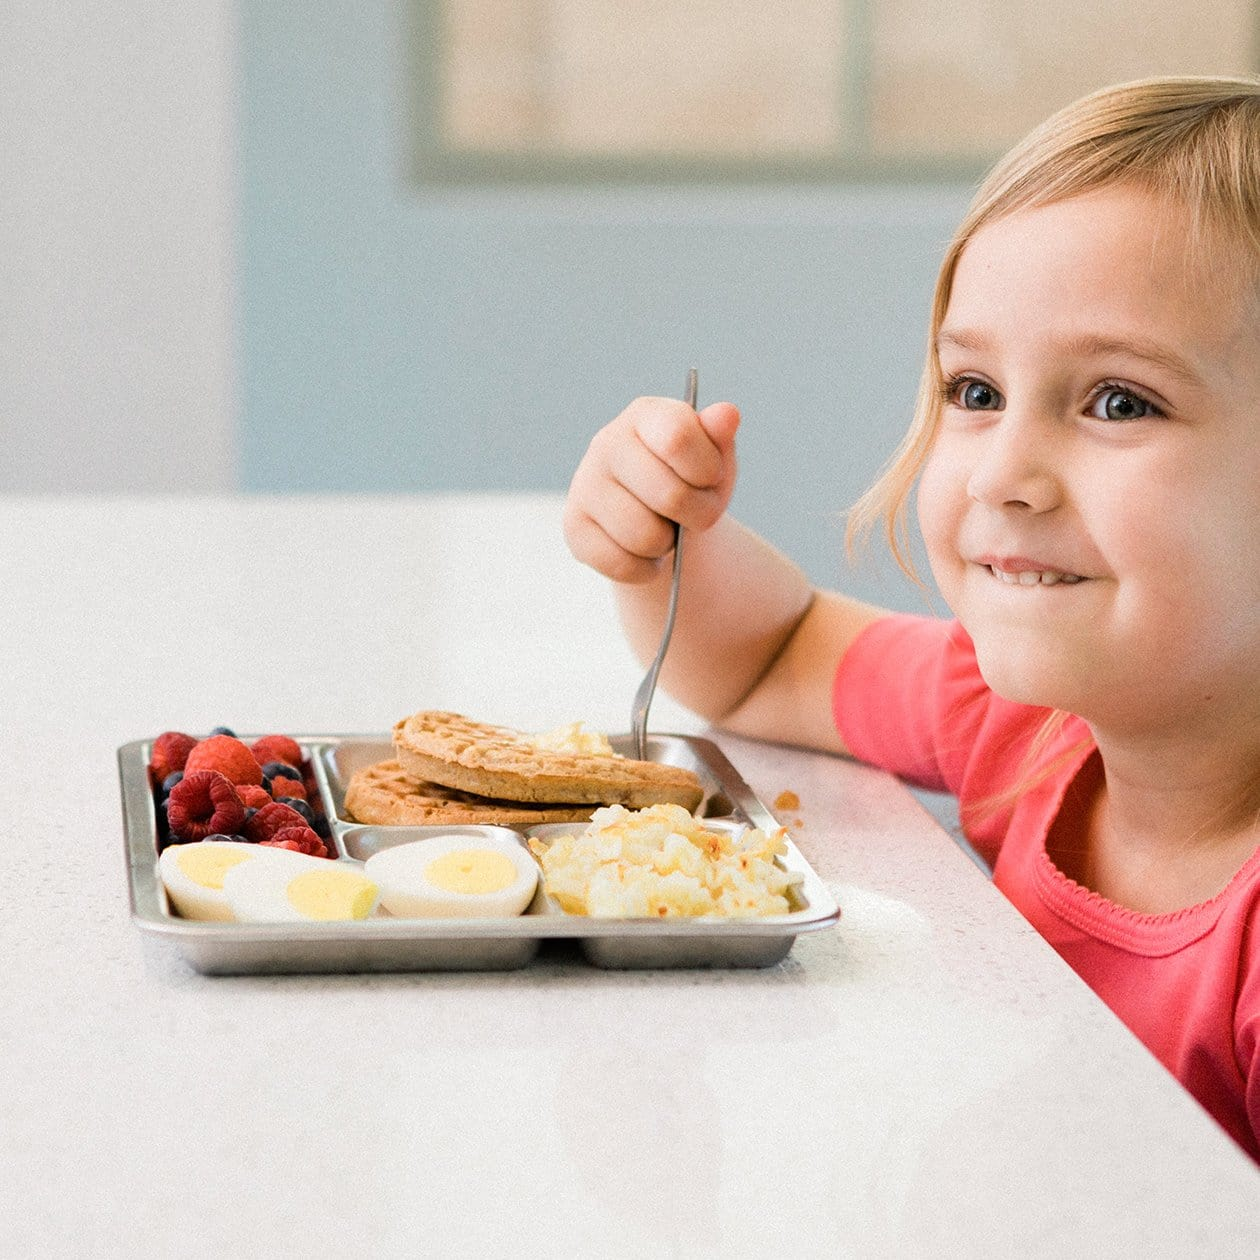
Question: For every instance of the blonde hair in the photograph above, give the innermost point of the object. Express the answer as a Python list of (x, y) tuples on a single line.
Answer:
[(1195, 141)]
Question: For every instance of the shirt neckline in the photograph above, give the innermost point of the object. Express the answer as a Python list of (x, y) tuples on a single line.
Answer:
[(1152, 935)]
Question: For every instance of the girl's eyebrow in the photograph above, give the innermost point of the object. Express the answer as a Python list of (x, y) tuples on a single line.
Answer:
[(1090, 344)]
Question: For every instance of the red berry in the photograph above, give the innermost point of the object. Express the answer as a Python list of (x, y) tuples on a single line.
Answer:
[(228, 756), (253, 797), (270, 819), (295, 788), (202, 804), (277, 748), (170, 752), (299, 839)]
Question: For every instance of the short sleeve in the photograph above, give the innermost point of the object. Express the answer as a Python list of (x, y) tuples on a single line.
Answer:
[(900, 696)]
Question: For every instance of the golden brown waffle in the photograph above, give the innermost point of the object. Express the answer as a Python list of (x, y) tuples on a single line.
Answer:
[(386, 796), (499, 762)]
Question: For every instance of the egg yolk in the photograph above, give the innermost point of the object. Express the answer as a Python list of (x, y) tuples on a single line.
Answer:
[(206, 865), (471, 871), (326, 895)]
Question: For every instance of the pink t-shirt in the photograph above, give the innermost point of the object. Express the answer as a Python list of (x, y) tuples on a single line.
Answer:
[(908, 697)]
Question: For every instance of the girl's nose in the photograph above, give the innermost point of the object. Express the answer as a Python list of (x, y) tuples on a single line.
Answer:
[(1015, 466)]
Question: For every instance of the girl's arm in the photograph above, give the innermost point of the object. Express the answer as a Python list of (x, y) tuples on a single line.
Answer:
[(755, 645)]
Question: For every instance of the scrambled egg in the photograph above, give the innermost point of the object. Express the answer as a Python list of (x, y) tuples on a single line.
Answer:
[(661, 862), (573, 739)]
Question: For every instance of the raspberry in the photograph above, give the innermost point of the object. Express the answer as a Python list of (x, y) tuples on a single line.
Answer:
[(270, 819), (170, 752), (295, 789), (299, 839), (202, 804), (228, 756), (252, 797), (276, 748)]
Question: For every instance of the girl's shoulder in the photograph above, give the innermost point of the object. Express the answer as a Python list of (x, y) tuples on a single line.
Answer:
[(909, 696)]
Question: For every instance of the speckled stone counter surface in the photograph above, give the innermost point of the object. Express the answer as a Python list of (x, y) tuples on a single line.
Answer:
[(924, 1079)]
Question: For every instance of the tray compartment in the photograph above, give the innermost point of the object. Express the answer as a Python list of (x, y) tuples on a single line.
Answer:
[(334, 763), (337, 762), (676, 941), (361, 842)]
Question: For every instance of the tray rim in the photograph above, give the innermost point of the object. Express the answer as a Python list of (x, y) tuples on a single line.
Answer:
[(147, 899)]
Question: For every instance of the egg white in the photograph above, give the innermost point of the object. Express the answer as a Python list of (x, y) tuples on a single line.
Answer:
[(192, 899), (406, 891), (257, 892)]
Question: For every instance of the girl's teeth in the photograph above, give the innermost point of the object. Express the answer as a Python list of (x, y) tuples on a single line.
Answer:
[(1033, 578)]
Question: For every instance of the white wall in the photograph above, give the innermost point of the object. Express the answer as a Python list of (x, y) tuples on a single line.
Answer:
[(117, 284)]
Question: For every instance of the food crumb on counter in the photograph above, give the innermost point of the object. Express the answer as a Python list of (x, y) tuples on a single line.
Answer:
[(787, 799)]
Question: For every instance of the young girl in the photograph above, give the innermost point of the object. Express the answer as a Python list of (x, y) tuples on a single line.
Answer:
[(1086, 447)]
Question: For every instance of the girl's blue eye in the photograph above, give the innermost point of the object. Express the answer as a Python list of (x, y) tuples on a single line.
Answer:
[(1114, 403), (976, 396)]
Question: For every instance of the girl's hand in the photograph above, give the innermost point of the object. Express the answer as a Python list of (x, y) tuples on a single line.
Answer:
[(656, 463)]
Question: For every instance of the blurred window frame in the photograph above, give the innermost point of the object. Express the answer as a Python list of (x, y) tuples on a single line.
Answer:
[(435, 161)]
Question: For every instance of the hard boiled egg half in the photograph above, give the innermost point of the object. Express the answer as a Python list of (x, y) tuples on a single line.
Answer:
[(302, 890), (192, 875), (455, 876)]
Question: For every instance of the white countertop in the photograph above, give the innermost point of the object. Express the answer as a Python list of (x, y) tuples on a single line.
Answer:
[(925, 1079)]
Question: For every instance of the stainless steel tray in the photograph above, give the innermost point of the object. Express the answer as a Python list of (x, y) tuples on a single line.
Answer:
[(383, 944)]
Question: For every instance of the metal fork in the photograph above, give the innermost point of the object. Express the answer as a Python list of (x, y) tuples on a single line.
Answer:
[(643, 697)]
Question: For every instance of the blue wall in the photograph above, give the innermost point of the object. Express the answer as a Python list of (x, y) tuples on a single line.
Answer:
[(401, 337)]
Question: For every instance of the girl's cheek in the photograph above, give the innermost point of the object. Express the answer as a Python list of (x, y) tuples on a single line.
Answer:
[(941, 505), (934, 501)]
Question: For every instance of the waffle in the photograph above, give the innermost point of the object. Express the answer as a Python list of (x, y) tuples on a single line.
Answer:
[(505, 764), (386, 796)]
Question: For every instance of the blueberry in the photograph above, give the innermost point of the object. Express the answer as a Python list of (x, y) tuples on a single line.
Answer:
[(250, 812), (321, 827), (223, 730), (218, 835), (168, 783), (266, 785), (301, 806), (281, 769)]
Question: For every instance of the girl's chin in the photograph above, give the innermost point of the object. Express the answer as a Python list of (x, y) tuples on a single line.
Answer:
[(1029, 674)]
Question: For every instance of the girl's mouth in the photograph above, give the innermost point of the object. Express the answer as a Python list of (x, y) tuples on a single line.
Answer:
[(1032, 577)]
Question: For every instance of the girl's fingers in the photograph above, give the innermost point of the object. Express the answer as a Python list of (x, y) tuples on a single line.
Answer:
[(677, 436), (591, 544), (658, 463), (610, 528), (655, 484), (633, 525)]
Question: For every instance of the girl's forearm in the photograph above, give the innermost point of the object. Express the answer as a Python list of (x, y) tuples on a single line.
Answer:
[(739, 602)]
